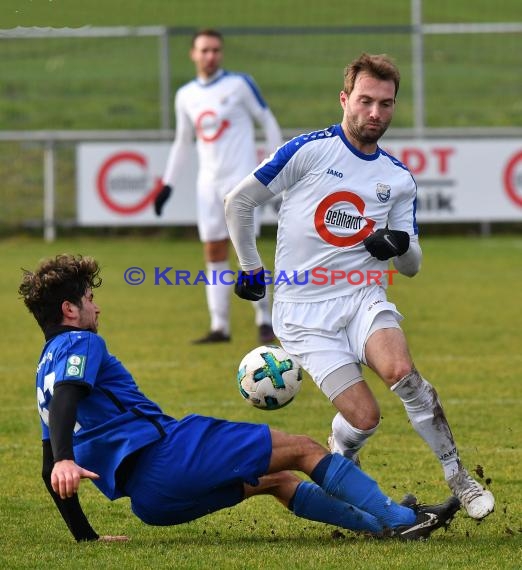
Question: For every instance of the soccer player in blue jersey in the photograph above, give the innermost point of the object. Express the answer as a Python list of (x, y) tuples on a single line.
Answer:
[(97, 424), (348, 209)]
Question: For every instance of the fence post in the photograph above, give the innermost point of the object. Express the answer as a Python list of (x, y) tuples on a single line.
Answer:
[(164, 69), (417, 41), (49, 192)]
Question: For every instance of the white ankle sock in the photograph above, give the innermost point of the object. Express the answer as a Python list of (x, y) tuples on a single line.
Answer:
[(348, 439), (262, 309)]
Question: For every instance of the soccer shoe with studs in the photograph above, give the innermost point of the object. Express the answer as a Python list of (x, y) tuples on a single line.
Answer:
[(477, 501), (429, 518), (212, 337)]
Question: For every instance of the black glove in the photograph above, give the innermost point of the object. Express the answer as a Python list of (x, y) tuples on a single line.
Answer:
[(250, 287), (162, 196), (386, 243)]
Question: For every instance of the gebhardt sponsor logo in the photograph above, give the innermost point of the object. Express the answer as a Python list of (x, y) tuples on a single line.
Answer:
[(111, 183), (327, 213), (207, 127)]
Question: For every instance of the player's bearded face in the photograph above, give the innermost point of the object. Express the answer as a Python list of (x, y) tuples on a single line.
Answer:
[(364, 130), (368, 110), (88, 313), (207, 55)]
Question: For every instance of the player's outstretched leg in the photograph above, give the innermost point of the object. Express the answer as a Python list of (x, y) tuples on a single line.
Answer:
[(312, 503), (427, 417), (309, 501), (341, 478)]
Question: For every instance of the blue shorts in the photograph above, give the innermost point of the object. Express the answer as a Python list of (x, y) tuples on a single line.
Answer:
[(199, 467)]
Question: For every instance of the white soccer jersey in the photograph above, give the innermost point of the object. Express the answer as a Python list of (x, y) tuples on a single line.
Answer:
[(334, 197), (220, 115)]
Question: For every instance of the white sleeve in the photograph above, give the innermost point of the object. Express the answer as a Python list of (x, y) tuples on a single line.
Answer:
[(239, 213), (410, 262), (273, 135), (402, 214), (180, 150), (262, 114)]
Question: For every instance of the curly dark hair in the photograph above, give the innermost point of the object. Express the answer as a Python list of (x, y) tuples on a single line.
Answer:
[(57, 279)]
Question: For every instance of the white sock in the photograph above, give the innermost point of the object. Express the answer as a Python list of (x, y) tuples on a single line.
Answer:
[(348, 439), (263, 310), (427, 417), (218, 297)]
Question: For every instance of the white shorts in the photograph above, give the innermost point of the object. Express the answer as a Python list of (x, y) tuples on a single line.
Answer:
[(325, 335), (212, 225)]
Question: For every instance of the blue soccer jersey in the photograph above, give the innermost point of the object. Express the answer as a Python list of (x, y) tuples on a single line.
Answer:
[(116, 418)]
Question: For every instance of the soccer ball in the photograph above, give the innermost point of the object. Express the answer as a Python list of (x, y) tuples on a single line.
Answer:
[(269, 378)]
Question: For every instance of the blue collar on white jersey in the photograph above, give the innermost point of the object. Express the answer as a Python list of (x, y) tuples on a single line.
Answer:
[(339, 131)]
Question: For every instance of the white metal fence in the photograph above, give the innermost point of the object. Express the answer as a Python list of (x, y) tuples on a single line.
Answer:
[(417, 31)]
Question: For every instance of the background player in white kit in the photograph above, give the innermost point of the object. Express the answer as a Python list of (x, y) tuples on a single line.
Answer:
[(348, 206), (218, 109)]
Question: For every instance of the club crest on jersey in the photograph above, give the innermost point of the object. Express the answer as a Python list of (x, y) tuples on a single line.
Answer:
[(383, 192)]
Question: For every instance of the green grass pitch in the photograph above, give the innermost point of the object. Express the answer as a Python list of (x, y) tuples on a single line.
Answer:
[(463, 311), (463, 316)]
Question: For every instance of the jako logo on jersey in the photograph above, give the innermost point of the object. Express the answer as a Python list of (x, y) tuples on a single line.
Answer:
[(207, 127), (334, 173), (322, 217), (383, 192)]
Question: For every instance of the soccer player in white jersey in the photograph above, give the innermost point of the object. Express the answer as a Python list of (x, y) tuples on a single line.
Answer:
[(348, 208), (218, 109)]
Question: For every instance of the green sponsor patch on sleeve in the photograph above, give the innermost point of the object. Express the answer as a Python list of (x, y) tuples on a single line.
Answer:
[(75, 366)]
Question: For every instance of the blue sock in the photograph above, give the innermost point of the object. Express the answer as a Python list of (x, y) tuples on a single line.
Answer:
[(319, 472), (347, 482), (311, 502)]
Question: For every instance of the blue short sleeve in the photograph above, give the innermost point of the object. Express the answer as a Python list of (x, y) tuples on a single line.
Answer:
[(80, 358)]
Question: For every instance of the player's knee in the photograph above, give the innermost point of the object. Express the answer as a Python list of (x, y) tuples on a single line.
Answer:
[(363, 413), (396, 371), (366, 420)]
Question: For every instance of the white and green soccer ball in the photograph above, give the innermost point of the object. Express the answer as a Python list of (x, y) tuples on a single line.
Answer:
[(269, 378)]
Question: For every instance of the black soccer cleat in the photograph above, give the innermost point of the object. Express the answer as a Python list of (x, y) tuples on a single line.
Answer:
[(429, 519), (409, 500), (212, 337), (266, 334)]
